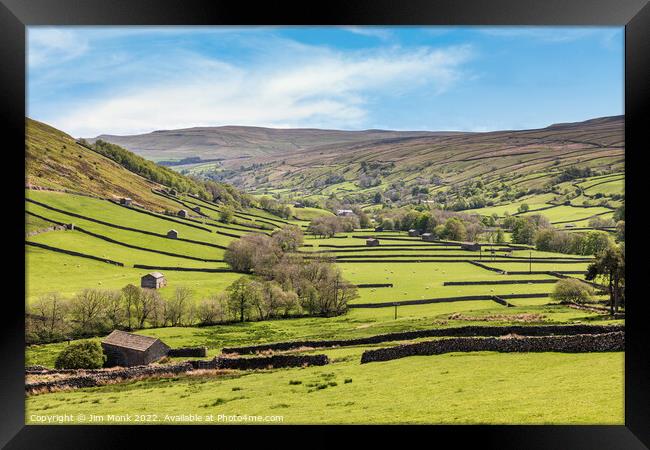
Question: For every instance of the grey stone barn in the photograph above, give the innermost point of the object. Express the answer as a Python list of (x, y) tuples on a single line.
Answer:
[(427, 237), (182, 213), (126, 201), (197, 209), (372, 242), (128, 349), (153, 280), (414, 233), (172, 234), (471, 246)]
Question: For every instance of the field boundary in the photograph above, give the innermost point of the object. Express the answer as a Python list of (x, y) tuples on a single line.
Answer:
[(497, 282), (426, 301), (121, 227), (73, 253), (124, 244), (184, 269), (581, 343), (469, 330)]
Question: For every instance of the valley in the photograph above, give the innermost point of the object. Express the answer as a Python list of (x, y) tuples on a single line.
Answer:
[(539, 205)]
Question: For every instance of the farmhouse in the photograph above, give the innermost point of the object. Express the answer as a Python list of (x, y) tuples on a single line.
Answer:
[(344, 212), (427, 237), (182, 213), (126, 201), (414, 233), (172, 234), (372, 242), (471, 246), (153, 280), (128, 349)]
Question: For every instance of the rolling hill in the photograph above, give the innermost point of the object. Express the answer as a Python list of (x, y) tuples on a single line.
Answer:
[(237, 142), (354, 166), (54, 160)]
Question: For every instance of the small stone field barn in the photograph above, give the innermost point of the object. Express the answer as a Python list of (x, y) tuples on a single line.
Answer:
[(298, 205), (197, 209), (414, 233), (153, 280), (128, 349), (427, 237), (182, 213), (379, 229), (471, 246), (172, 234), (126, 201), (372, 242)]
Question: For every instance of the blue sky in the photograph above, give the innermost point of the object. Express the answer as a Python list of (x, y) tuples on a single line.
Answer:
[(125, 80)]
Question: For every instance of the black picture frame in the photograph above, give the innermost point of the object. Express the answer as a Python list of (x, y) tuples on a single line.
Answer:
[(15, 15)]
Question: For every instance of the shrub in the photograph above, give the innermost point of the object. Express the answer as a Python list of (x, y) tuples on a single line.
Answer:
[(81, 355), (571, 290)]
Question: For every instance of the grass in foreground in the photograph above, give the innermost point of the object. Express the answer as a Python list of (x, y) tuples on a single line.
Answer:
[(515, 388)]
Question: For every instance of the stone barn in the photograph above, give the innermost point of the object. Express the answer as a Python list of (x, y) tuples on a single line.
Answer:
[(379, 229), (172, 192), (172, 234), (126, 201), (298, 205), (344, 212), (153, 280), (196, 209), (414, 233), (372, 242), (471, 246), (182, 213), (427, 237), (128, 349)]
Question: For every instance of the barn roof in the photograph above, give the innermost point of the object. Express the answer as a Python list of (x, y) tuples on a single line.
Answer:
[(129, 340), (155, 275)]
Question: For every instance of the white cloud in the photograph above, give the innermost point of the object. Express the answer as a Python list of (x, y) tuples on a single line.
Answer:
[(53, 46), (310, 87), (370, 31)]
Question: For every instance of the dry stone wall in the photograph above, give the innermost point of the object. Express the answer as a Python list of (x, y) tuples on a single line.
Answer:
[(582, 343), (472, 330)]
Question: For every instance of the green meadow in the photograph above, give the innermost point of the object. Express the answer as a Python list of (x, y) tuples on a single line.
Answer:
[(516, 388)]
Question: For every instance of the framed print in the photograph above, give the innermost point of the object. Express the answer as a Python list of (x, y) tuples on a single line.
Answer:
[(352, 213)]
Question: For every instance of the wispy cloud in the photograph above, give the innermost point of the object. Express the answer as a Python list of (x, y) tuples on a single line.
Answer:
[(54, 46), (370, 31), (313, 86)]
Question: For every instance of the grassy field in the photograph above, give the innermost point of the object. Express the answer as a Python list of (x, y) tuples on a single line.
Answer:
[(508, 389), (48, 271), (413, 281)]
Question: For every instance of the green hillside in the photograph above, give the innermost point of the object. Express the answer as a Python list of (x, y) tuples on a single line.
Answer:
[(466, 171), (54, 160)]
